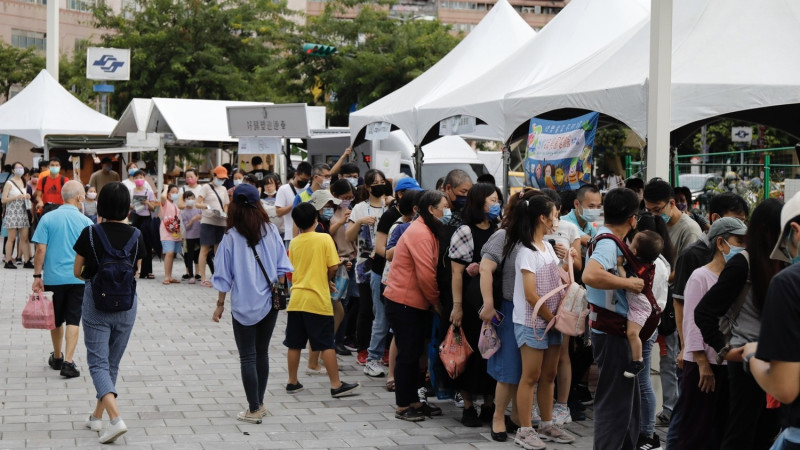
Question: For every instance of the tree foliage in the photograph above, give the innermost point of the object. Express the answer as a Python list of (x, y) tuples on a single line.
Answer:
[(17, 66), (719, 139), (207, 49), (376, 55)]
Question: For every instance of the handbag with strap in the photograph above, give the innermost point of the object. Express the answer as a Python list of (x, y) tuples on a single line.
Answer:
[(570, 318), (278, 289)]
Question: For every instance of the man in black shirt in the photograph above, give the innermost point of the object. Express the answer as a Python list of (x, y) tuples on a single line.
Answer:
[(258, 172), (774, 361)]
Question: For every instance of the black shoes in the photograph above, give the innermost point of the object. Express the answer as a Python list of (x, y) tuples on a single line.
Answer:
[(430, 410), (410, 415), (511, 427), (69, 370), (487, 411), (55, 363), (645, 443), (294, 388), (342, 351), (344, 390), (10, 265), (27, 265), (469, 418), (500, 437)]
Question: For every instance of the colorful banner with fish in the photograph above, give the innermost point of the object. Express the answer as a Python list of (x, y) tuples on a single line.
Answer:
[(559, 153)]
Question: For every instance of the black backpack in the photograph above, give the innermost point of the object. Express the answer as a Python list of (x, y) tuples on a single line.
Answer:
[(114, 284)]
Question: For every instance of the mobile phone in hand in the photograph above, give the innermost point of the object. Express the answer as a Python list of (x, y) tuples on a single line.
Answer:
[(495, 321)]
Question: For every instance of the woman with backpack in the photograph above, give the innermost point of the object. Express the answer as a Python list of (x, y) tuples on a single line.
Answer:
[(106, 332), (750, 425), (250, 258)]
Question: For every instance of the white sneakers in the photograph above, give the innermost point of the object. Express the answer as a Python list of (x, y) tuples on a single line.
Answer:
[(113, 432), (374, 369), (561, 414), (94, 425)]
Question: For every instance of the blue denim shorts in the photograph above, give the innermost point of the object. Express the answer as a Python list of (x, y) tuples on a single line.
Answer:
[(525, 336), (171, 246)]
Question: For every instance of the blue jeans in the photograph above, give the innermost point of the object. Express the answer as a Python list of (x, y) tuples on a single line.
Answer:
[(647, 422), (106, 337), (669, 372), (380, 326), (253, 344)]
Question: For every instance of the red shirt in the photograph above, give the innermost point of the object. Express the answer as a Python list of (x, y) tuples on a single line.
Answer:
[(53, 193)]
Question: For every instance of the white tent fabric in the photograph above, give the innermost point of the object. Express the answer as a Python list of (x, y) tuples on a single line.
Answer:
[(44, 107), (134, 118), (581, 30), (722, 61), (499, 34)]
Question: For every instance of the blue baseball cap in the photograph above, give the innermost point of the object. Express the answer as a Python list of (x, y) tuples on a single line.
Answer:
[(246, 194), (407, 184)]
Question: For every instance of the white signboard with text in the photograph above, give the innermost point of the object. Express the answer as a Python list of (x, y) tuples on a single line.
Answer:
[(289, 120), (388, 162), (259, 146), (108, 63), (377, 131)]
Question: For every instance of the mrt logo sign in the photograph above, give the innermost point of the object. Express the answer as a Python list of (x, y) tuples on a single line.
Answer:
[(108, 63)]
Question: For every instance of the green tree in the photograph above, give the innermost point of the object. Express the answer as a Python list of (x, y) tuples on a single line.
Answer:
[(72, 75), (196, 48), (17, 66), (376, 54)]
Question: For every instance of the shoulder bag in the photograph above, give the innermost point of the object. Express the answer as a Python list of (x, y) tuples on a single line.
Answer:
[(279, 296)]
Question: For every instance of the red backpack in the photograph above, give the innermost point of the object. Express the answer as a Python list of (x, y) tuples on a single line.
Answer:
[(610, 322)]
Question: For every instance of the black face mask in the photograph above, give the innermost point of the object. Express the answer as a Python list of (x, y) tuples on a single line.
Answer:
[(302, 183), (381, 189), (460, 202)]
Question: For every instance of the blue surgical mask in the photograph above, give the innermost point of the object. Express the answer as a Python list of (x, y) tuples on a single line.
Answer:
[(326, 183), (190, 203), (591, 214), (55, 170), (734, 250), (327, 213), (173, 197), (132, 171), (218, 182), (353, 182), (237, 182), (796, 259), (494, 211), (446, 215)]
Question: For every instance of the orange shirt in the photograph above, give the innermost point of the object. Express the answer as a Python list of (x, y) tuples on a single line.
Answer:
[(53, 193)]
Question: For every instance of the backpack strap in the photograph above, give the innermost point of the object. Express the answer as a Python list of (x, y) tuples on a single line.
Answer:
[(121, 253), (643, 271), (547, 296)]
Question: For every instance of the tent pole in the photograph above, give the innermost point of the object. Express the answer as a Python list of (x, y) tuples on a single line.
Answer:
[(506, 160), (418, 163), (160, 167), (658, 104)]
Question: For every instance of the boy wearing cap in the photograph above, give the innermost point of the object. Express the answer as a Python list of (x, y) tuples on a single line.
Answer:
[(310, 311), (774, 361), (212, 200), (702, 402)]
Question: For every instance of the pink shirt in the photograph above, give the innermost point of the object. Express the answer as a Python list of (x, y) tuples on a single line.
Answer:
[(169, 215), (699, 283)]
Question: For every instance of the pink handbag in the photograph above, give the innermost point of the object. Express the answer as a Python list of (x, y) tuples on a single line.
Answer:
[(38, 313), (570, 319), (488, 342)]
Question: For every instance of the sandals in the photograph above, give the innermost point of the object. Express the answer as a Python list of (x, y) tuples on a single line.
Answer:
[(166, 282), (174, 280), (150, 276), (206, 283), (390, 385)]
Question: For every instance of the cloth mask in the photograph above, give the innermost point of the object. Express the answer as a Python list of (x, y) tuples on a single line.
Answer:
[(302, 183), (345, 204), (494, 211)]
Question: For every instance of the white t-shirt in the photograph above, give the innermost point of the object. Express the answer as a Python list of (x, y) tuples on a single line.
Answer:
[(212, 215), (531, 261), (661, 281), (284, 198), (565, 235)]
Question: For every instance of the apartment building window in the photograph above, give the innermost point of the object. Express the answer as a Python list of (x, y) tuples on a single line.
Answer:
[(35, 2), (28, 39), (80, 5), (463, 27), (550, 10), (465, 5)]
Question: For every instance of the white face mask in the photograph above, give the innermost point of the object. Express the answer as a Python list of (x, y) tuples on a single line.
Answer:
[(91, 195), (218, 182), (19, 171), (190, 203), (237, 182)]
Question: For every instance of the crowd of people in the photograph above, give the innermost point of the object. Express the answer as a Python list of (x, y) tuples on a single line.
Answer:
[(381, 268)]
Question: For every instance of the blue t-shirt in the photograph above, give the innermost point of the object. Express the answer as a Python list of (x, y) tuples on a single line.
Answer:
[(606, 253), (588, 229), (303, 196), (59, 230)]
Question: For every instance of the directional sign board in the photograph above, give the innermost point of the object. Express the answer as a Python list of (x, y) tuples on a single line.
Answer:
[(741, 134), (289, 120)]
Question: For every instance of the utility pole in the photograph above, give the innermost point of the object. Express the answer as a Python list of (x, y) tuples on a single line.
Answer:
[(52, 38), (659, 89)]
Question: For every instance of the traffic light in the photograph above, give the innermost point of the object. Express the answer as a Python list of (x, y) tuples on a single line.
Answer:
[(318, 49)]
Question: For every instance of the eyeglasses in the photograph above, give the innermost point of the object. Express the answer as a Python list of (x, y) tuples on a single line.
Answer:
[(658, 210)]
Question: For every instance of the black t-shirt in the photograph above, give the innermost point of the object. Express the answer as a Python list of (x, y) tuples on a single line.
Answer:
[(696, 255), (260, 174), (118, 235), (779, 338), (384, 225)]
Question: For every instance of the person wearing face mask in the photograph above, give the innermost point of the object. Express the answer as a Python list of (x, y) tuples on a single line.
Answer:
[(742, 287), (616, 403), (213, 201), (191, 187), (683, 200), (349, 172), (284, 199), (456, 186), (269, 193), (588, 207), (90, 204), (48, 191), (190, 175), (702, 407), (170, 230), (320, 179), (190, 221), (774, 361), (412, 290), (15, 220), (104, 176), (131, 169), (238, 178), (479, 217)]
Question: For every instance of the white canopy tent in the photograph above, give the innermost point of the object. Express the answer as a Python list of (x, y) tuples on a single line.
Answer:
[(499, 34), (579, 32), (45, 108), (723, 61)]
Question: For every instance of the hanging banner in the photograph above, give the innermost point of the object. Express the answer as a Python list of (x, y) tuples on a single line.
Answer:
[(559, 153)]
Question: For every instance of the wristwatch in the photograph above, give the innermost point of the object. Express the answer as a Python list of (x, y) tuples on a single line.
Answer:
[(746, 361), (37, 275), (722, 352)]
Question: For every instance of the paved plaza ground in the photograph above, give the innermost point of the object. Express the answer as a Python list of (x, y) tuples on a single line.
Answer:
[(180, 387)]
